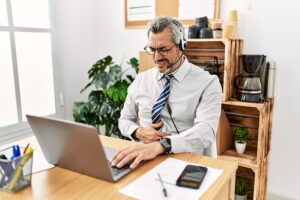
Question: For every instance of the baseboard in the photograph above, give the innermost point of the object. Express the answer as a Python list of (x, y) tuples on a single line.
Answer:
[(272, 196)]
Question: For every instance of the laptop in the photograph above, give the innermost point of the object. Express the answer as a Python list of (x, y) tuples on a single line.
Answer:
[(76, 147)]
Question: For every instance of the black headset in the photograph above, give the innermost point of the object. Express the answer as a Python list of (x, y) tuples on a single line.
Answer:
[(182, 43)]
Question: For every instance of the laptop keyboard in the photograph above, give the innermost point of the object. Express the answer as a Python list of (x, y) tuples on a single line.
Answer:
[(116, 171)]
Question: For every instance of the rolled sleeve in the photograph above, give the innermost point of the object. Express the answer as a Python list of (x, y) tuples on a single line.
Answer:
[(127, 120)]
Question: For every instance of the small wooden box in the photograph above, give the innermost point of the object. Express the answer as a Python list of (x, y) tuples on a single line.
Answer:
[(255, 117)]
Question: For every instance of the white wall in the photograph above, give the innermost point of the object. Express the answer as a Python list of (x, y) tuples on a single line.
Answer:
[(89, 30), (77, 44), (113, 38)]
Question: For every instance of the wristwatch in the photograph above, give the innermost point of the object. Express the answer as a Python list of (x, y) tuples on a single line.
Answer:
[(166, 144)]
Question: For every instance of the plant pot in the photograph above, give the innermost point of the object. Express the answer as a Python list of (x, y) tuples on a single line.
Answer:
[(240, 147), (240, 197)]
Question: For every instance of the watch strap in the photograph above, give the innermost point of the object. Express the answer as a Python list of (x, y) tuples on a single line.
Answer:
[(166, 144)]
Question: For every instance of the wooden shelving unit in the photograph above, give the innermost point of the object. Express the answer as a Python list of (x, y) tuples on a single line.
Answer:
[(253, 164)]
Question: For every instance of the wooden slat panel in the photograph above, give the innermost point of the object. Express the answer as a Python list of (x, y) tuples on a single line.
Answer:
[(208, 59), (253, 134), (226, 82), (268, 140), (204, 63), (245, 173), (224, 134), (206, 45), (251, 145), (244, 121), (219, 55), (250, 156), (240, 109), (232, 65), (263, 179), (236, 67), (263, 131), (236, 50)]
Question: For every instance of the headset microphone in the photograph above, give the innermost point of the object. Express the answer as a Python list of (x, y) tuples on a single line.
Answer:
[(172, 64)]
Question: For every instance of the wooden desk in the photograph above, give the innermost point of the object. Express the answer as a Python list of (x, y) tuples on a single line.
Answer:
[(58, 183)]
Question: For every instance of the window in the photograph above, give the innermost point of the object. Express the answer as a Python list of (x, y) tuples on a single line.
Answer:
[(27, 72)]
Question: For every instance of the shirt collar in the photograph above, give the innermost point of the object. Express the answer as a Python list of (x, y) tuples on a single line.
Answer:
[(180, 73)]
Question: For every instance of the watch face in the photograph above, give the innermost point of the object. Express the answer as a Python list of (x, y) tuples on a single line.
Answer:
[(166, 143)]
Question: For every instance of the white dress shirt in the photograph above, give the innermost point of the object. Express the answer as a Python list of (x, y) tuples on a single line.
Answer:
[(195, 100)]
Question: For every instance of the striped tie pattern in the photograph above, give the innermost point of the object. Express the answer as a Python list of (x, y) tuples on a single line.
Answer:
[(162, 99)]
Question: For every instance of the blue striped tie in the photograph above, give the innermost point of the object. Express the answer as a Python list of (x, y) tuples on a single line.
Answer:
[(162, 99)]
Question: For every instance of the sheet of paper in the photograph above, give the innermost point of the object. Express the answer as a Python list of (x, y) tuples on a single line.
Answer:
[(140, 10), (148, 186), (191, 9)]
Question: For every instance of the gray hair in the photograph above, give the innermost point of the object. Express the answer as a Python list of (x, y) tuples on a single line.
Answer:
[(160, 23)]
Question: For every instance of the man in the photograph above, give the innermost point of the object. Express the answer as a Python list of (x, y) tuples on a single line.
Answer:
[(177, 103)]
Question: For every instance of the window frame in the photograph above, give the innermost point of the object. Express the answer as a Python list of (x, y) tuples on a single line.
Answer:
[(22, 129)]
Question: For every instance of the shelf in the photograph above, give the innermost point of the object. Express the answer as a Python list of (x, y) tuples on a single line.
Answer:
[(258, 106), (248, 159), (223, 40), (206, 45), (207, 40)]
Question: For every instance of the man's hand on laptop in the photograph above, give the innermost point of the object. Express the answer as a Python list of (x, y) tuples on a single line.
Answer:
[(150, 134), (136, 154)]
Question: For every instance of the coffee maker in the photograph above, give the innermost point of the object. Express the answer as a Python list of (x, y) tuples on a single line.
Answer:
[(250, 85)]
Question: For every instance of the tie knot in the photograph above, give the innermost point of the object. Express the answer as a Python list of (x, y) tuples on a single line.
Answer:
[(167, 77)]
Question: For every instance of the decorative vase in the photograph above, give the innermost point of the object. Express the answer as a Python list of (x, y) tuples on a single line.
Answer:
[(240, 197), (240, 147)]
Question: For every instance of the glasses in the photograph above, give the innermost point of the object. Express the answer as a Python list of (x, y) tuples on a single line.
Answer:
[(162, 51)]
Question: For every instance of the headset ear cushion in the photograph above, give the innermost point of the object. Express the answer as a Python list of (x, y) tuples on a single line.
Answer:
[(182, 44)]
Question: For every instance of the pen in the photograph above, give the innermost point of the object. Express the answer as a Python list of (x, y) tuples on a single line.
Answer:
[(16, 151), (18, 171), (26, 148), (162, 185)]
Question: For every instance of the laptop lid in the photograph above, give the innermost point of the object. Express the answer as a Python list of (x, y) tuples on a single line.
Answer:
[(72, 146)]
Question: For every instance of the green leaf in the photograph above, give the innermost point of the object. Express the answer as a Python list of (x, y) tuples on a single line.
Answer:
[(134, 64), (116, 72), (118, 92), (100, 66), (103, 80), (241, 186), (241, 134)]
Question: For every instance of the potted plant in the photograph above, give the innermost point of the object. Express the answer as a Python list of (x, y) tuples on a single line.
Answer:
[(106, 100), (240, 189), (241, 134)]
